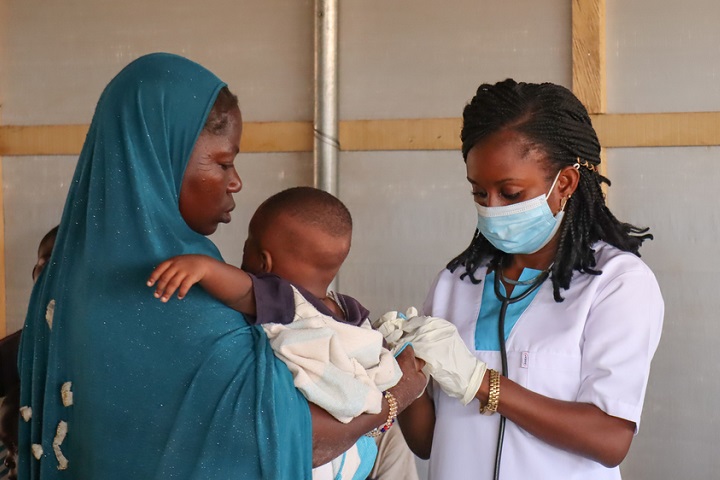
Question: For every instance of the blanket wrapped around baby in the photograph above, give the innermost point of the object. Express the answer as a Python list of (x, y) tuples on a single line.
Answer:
[(342, 368)]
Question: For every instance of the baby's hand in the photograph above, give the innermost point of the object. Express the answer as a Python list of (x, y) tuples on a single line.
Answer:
[(178, 274)]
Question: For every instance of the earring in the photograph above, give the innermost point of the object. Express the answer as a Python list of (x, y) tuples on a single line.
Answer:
[(563, 202)]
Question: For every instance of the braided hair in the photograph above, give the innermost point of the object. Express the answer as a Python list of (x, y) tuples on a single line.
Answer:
[(555, 121)]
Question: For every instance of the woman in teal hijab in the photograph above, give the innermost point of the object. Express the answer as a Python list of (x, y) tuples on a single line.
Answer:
[(116, 385)]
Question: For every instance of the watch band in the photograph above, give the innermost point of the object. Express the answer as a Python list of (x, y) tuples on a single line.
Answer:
[(494, 394)]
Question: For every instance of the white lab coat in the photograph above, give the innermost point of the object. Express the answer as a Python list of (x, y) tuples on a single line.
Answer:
[(594, 347)]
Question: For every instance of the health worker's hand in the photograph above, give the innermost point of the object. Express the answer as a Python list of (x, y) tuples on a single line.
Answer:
[(458, 372), (391, 326)]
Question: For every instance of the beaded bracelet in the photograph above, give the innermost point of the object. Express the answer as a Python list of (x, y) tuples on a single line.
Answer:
[(494, 394), (392, 416)]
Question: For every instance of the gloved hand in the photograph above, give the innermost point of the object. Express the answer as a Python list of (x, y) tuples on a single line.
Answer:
[(391, 326), (438, 342)]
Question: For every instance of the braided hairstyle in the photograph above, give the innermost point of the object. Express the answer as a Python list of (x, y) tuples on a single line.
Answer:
[(552, 119)]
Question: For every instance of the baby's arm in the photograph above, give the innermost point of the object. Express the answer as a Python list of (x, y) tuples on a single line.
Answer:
[(228, 284)]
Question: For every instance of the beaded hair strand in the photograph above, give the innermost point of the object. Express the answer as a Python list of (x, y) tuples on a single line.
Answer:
[(555, 121)]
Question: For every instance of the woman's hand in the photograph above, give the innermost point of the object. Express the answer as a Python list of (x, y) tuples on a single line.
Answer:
[(413, 381), (331, 438), (418, 425), (453, 367), (417, 418)]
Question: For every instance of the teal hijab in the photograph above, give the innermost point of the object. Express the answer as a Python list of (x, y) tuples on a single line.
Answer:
[(183, 390)]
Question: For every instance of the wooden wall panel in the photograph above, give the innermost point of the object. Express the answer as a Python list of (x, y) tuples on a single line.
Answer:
[(614, 130), (415, 134), (588, 47)]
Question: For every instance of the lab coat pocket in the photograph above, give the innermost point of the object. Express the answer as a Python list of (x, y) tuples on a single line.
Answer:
[(554, 375)]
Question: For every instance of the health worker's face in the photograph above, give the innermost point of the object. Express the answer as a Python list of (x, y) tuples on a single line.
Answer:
[(210, 180), (503, 170)]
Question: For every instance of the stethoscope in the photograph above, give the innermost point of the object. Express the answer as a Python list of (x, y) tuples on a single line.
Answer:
[(534, 284)]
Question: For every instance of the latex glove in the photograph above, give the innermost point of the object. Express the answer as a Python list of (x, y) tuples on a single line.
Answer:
[(451, 364), (391, 326)]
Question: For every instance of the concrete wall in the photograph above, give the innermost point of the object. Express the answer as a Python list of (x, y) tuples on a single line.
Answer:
[(407, 59), (662, 57)]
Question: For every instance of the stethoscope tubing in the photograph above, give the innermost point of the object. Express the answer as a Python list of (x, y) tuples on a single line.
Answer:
[(505, 302)]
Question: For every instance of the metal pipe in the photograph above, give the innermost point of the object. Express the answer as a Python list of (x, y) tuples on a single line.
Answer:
[(326, 146), (325, 123)]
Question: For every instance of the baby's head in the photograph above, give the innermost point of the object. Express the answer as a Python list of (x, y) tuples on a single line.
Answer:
[(302, 235)]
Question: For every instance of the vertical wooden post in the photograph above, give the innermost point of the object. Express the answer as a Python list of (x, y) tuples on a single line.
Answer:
[(588, 47), (589, 61)]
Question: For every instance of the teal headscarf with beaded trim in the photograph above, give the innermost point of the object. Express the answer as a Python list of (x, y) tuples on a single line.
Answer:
[(183, 390)]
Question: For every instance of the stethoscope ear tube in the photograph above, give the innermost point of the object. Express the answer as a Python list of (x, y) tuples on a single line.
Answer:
[(505, 302)]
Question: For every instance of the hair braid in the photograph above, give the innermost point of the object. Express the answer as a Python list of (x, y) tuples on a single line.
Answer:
[(471, 257), (554, 120)]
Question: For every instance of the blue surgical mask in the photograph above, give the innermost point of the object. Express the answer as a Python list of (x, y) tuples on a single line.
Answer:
[(523, 227)]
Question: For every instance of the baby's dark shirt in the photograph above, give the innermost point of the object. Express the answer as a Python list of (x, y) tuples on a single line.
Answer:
[(275, 302)]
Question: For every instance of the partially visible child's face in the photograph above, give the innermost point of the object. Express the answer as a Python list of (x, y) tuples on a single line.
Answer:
[(44, 251)]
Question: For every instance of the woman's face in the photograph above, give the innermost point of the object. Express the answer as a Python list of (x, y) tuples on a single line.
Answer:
[(206, 194), (505, 169)]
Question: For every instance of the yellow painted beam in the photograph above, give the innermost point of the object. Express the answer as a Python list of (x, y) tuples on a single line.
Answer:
[(277, 137), (658, 129), (68, 139), (614, 130), (414, 134), (42, 139), (588, 49)]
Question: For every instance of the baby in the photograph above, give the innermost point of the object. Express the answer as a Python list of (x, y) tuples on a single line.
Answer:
[(297, 238), (297, 241)]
